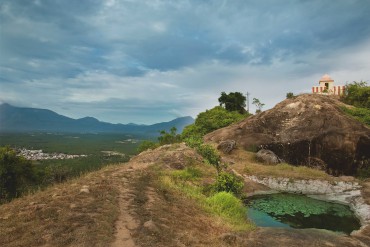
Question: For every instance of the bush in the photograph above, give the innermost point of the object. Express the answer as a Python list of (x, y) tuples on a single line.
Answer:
[(361, 114), (357, 94), (169, 137), (211, 155), (228, 182), (290, 95), (225, 204), (17, 174), (210, 120), (145, 145)]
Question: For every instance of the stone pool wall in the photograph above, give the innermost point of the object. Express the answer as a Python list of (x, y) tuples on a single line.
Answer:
[(348, 193)]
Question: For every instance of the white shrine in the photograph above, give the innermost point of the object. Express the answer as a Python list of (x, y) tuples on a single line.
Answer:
[(327, 86)]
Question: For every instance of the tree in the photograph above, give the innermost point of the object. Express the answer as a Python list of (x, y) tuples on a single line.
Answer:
[(290, 95), (234, 101), (16, 174), (169, 138), (357, 94), (210, 120), (258, 104)]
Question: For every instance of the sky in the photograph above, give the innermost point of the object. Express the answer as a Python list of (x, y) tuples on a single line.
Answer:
[(148, 61)]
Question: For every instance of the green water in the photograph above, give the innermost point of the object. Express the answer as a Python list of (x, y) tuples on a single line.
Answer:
[(298, 211)]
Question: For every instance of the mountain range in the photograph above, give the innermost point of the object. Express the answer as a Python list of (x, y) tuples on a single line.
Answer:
[(20, 119)]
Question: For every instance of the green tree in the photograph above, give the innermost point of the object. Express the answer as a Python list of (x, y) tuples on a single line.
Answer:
[(290, 95), (169, 137), (228, 182), (16, 174), (146, 144), (258, 104), (210, 120), (357, 94), (234, 101)]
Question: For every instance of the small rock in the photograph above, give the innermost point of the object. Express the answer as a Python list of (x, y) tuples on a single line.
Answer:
[(72, 206), (85, 189), (230, 238), (151, 226)]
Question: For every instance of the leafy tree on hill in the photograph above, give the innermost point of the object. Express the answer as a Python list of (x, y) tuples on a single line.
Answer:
[(16, 174), (357, 94), (210, 120), (258, 104), (234, 101)]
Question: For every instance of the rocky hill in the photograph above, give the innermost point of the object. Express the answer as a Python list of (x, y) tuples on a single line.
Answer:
[(309, 130), (137, 204)]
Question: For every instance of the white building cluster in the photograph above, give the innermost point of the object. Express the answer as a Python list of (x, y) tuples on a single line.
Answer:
[(39, 155)]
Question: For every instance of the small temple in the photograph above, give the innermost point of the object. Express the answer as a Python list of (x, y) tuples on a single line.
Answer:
[(327, 86)]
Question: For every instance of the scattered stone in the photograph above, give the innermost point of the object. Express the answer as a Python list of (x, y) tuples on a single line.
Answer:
[(151, 226), (72, 206), (85, 189), (230, 238), (267, 156), (227, 146)]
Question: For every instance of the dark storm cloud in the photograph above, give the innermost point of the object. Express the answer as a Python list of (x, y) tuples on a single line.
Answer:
[(94, 51)]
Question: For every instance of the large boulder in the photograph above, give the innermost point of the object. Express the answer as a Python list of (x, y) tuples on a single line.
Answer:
[(267, 156), (300, 130)]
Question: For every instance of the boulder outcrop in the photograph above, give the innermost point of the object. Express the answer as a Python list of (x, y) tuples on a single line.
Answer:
[(305, 130)]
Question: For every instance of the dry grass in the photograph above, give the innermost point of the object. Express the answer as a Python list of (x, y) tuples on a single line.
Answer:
[(62, 215), (245, 163)]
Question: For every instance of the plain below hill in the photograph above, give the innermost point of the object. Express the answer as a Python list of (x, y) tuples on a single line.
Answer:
[(18, 119), (310, 130)]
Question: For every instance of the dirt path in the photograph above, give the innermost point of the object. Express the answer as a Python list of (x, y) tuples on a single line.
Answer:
[(125, 222)]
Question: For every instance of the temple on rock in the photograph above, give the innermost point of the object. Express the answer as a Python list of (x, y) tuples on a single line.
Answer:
[(327, 86)]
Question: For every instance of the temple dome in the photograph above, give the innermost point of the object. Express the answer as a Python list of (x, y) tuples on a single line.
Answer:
[(326, 77)]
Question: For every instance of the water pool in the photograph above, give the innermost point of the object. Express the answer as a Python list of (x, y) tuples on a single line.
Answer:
[(298, 211)]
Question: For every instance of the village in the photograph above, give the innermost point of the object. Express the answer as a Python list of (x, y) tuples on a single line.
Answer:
[(40, 155)]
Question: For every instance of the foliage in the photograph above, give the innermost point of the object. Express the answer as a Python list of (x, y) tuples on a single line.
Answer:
[(164, 138), (234, 101), (211, 155), (357, 94), (361, 114), (258, 104), (229, 207), (189, 173), (16, 174), (211, 120), (290, 95), (146, 144), (223, 204), (169, 138), (228, 182)]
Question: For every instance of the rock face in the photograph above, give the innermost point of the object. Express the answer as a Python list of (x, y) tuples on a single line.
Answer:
[(267, 156), (305, 130)]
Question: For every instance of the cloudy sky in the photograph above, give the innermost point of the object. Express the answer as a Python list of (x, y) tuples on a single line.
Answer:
[(148, 61)]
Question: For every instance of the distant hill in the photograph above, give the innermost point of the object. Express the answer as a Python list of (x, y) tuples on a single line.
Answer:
[(19, 119)]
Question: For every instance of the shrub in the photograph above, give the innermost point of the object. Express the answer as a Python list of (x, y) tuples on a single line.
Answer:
[(357, 94), (169, 137), (290, 95), (210, 120), (228, 182), (361, 114), (229, 207), (189, 173), (211, 155), (145, 145), (17, 174)]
